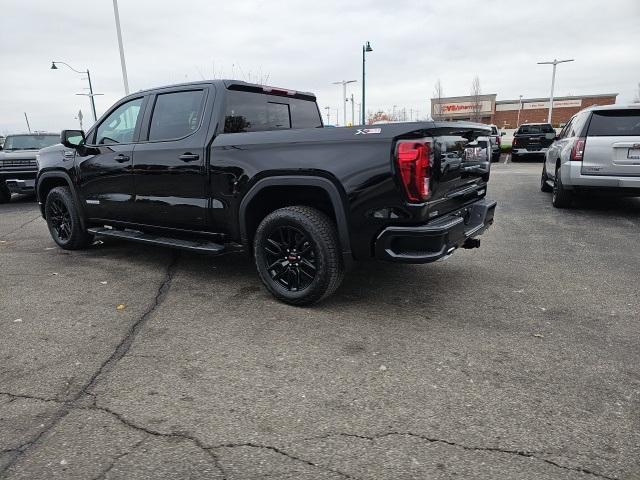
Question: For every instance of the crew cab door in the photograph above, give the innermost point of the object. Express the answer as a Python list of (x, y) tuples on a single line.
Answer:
[(104, 164), (612, 146), (169, 165)]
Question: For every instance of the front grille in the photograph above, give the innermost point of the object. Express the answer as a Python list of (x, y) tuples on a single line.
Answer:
[(18, 163)]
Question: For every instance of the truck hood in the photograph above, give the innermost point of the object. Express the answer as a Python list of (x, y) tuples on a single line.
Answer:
[(18, 154)]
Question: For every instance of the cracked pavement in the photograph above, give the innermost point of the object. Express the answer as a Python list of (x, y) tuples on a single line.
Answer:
[(516, 360)]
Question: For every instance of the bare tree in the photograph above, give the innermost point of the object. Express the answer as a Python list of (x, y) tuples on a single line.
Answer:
[(476, 100), (438, 93)]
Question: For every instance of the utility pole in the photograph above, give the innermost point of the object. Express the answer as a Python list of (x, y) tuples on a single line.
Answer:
[(27, 119), (553, 82), (344, 98), (328, 115), (353, 120), (80, 116), (365, 48), (122, 62), (519, 110), (90, 94)]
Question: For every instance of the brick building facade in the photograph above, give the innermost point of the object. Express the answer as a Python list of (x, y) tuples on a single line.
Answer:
[(504, 113)]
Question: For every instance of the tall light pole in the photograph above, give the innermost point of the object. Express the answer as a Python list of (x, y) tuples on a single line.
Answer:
[(553, 82), (122, 62), (365, 48), (519, 110), (90, 94), (344, 98), (353, 120), (328, 115)]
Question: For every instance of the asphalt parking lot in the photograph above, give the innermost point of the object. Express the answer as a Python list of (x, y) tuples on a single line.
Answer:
[(517, 360)]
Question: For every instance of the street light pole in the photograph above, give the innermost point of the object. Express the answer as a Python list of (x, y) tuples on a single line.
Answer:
[(365, 48), (122, 62), (344, 98), (90, 94), (553, 82), (519, 110), (328, 115), (353, 120)]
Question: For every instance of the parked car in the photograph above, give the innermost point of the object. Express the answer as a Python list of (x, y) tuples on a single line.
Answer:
[(18, 162), (496, 139), (530, 139), (219, 165), (598, 151)]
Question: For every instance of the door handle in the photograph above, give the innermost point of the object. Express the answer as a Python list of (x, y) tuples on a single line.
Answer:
[(189, 157), (122, 158)]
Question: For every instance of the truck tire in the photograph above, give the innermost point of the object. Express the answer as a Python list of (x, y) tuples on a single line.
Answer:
[(298, 255), (561, 196), (63, 220), (5, 193), (544, 179)]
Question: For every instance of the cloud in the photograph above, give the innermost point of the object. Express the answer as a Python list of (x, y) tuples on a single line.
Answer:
[(309, 45)]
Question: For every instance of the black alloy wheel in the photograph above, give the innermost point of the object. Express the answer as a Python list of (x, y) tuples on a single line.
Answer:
[(63, 220), (59, 220), (290, 259), (298, 255)]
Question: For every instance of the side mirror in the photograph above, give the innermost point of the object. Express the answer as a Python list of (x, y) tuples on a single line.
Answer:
[(72, 138)]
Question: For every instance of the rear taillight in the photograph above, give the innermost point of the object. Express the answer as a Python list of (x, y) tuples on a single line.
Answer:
[(498, 140), (514, 142), (577, 151), (412, 159)]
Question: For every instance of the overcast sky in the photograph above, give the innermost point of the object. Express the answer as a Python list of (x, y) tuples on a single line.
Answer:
[(308, 45)]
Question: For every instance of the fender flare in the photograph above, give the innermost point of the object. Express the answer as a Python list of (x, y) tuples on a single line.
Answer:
[(295, 181), (64, 176)]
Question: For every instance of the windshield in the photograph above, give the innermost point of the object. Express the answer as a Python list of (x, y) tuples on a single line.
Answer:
[(30, 142), (542, 128)]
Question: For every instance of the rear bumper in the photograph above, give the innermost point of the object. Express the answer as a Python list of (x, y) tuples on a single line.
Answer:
[(437, 239), (524, 151), (573, 178)]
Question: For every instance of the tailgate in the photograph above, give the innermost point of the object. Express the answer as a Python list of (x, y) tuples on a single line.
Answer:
[(460, 171), (612, 146)]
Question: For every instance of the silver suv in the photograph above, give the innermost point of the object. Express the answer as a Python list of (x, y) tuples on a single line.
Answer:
[(598, 150)]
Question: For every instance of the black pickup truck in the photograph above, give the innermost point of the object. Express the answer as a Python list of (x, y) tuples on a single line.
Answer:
[(532, 138), (220, 165)]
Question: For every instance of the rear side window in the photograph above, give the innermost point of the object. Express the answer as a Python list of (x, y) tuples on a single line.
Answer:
[(255, 112), (176, 115), (533, 129), (494, 130), (615, 123)]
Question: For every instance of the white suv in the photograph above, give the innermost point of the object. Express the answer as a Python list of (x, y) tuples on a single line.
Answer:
[(598, 150)]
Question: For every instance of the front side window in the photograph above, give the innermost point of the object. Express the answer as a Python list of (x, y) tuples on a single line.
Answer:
[(176, 115), (120, 125)]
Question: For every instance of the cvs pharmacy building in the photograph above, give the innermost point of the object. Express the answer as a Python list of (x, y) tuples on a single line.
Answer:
[(511, 113)]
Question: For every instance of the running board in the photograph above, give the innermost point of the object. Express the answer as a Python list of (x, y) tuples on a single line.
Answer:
[(200, 246)]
